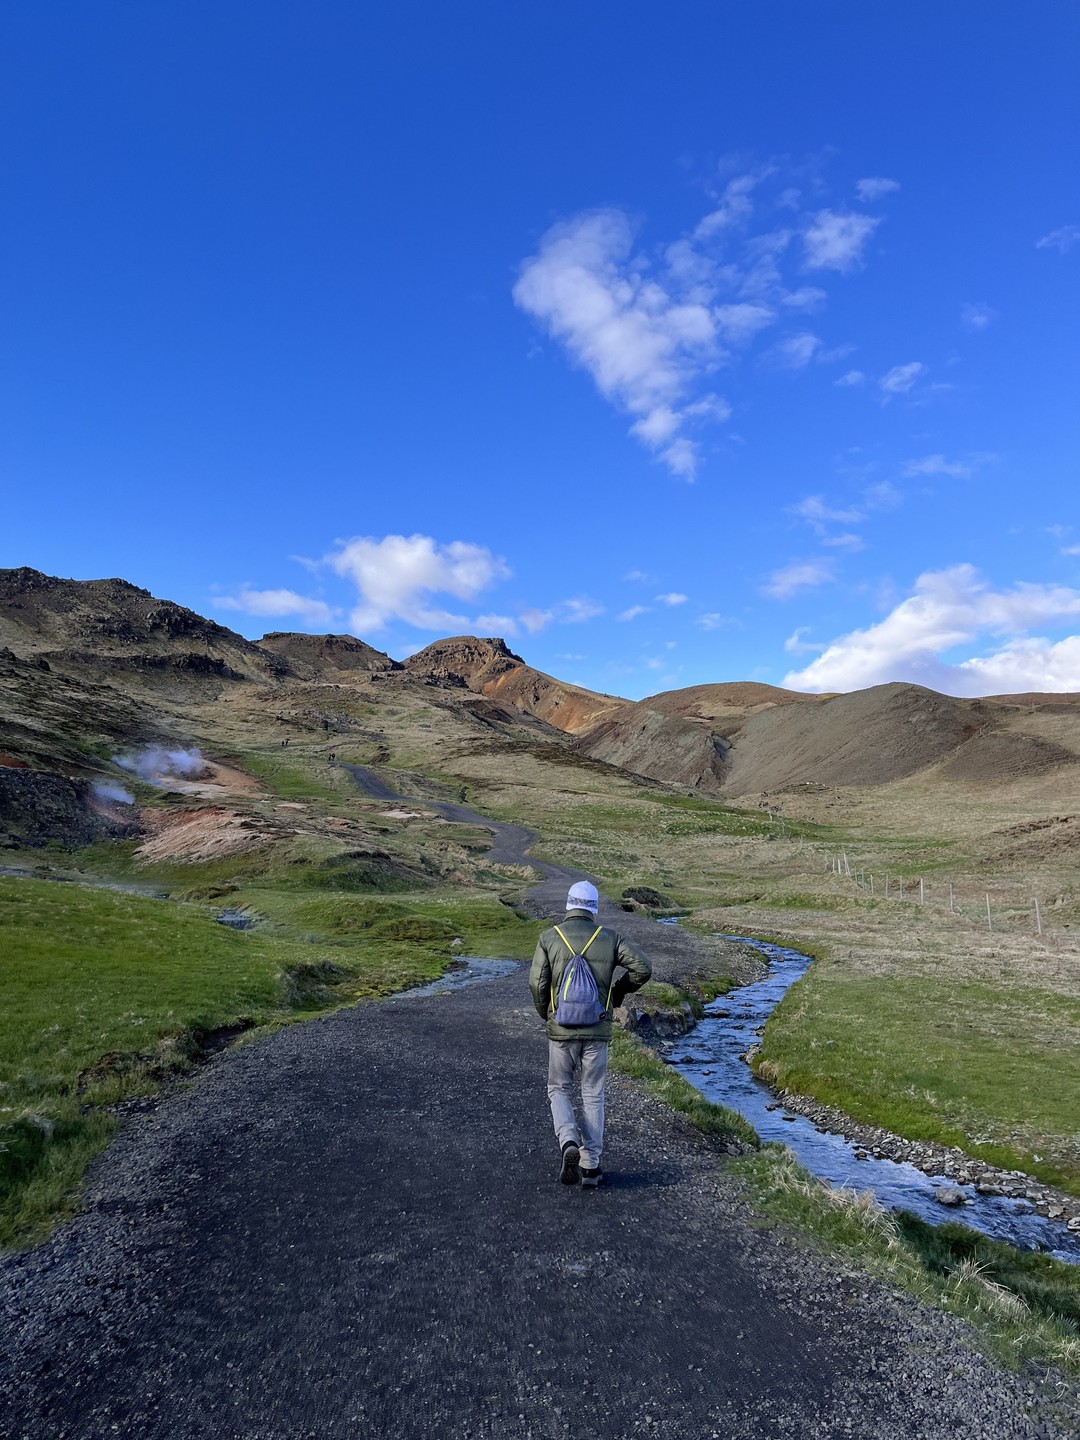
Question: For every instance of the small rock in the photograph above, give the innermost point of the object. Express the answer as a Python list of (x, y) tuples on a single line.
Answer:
[(987, 1187), (949, 1195)]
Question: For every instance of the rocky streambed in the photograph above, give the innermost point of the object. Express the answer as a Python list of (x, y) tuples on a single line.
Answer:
[(930, 1180)]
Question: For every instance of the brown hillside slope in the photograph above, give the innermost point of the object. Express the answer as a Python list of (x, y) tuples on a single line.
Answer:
[(322, 656), (98, 627), (729, 698), (491, 669)]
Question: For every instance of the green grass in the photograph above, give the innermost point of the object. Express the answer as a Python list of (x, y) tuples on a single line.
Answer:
[(107, 995), (632, 1058), (1024, 1307), (994, 1071)]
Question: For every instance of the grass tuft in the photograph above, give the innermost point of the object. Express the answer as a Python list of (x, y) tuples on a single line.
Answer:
[(1023, 1306)]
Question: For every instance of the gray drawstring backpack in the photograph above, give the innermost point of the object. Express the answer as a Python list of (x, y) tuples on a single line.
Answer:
[(579, 1000)]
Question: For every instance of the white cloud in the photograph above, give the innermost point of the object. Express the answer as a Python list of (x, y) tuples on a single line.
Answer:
[(502, 625), (977, 316), (673, 597), (1070, 550), (739, 323), (579, 609), (834, 239), (715, 620), (852, 377), (643, 346), (681, 458), (796, 352), (651, 328), (816, 513), (939, 465), (951, 608), (638, 576), (633, 612), (848, 542), (277, 602), (799, 575), (807, 297), (735, 207), (900, 379), (395, 577), (797, 644), (1061, 239), (535, 620), (874, 187)]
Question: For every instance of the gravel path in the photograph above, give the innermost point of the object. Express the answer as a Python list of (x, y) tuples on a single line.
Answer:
[(352, 1228)]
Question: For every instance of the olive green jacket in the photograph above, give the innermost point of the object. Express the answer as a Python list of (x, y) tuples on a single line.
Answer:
[(606, 953)]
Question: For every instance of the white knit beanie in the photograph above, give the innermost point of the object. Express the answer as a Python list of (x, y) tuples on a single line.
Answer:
[(583, 896)]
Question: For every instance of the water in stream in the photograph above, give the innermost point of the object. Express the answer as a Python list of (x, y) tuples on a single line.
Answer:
[(710, 1058)]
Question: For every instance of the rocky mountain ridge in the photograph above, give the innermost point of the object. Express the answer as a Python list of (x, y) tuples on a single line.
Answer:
[(111, 651)]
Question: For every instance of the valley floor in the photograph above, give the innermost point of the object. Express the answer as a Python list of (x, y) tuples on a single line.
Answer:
[(353, 1227)]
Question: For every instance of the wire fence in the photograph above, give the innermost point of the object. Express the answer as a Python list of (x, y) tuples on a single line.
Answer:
[(895, 886)]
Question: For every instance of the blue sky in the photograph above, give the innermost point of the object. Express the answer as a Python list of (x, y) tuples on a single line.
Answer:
[(674, 343)]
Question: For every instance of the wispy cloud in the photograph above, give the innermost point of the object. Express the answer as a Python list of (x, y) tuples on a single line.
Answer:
[(795, 352), (849, 542), (834, 240), (578, 610), (851, 377), (277, 603), (633, 612), (652, 327), (1061, 239), (797, 643), (940, 465), (396, 576), (818, 514), (977, 316), (501, 625), (643, 345), (951, 608), (900, 379), (874, 187), (673, 597), (716, 620), (799, 575)]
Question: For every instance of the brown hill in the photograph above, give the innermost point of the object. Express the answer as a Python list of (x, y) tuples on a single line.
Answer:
[(733, 697), (325, 656), (491, 669), (96, 627)]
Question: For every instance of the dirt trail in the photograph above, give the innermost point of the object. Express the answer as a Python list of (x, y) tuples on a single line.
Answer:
[(352, 1228)]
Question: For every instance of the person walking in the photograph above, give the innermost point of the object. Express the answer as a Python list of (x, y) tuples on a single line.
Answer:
[(575, 991)]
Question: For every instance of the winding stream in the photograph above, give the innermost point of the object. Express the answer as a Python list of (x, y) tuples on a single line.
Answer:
[(710, 1057)]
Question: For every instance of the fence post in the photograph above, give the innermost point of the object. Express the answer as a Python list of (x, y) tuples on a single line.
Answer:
[(951, 905), (871, 884), (1038, 917), (989, 921), (901, 887), (922, 892), (886, 887)]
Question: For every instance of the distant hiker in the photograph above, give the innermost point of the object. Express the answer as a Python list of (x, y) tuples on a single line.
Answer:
[(575, 991)]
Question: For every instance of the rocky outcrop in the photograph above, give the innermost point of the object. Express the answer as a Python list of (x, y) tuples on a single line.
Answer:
[(37, 807), (94, 626), (330, 657), (490, 668)]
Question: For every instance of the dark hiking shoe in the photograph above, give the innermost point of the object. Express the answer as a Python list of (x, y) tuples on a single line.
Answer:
[(570, 1157), (591, 1178)]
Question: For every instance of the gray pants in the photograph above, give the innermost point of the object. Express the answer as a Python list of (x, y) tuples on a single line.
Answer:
[(587, 1059)]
